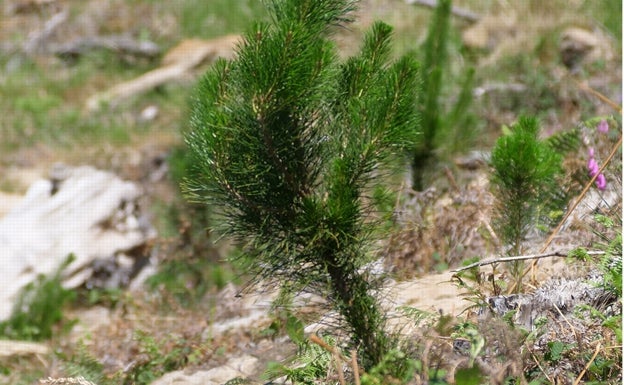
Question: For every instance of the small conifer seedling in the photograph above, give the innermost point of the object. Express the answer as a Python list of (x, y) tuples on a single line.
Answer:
[(289, 139), (444, 130), (525, 171)]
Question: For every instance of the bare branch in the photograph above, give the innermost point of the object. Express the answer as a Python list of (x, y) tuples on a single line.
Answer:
[(492, 261), (37, 39), (119, 43)]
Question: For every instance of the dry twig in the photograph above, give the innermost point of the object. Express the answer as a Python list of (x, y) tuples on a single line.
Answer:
[(119, 43), (354, 365), (336, 357), (580, 376), (36, 40), (519, 258), (550, 380)]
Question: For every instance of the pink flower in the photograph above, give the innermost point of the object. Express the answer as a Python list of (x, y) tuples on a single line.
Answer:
[(603, 126), (590, 152), (601, 182), (593, 167)]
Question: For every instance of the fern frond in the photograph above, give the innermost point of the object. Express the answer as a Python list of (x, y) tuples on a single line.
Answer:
[(84, 364)]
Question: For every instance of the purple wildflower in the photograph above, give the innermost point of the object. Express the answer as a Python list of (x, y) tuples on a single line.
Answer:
[(590, 152), (601, 182), (603, 126), (593, 167)]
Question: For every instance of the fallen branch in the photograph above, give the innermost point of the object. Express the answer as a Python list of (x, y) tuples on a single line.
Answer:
[(36, 40), (492, 261), (175, 64), (462, 13), (15, 348), (591, 360), (66, 380), (142, 84), (118, 43)]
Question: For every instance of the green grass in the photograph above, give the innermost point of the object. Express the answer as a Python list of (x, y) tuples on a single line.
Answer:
[(47, 97), (206, 19), (608, 13), (39, 309)]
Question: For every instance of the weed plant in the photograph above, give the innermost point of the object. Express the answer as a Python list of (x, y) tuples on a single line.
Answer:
[(154, 358), (39, 308)]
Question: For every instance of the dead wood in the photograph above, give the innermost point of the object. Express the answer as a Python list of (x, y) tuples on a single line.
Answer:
[(118, 43), (493, 261), (16, 348), (37, 39), (176, 64)]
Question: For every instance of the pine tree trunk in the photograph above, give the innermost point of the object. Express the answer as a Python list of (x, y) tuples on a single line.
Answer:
[(360, 310)]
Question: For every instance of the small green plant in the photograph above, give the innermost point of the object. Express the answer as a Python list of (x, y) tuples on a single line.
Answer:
[(39, 308), (288, 141), (555, 350), (610, 241), (82, 363), (154, 359), (189, 280), (311, 364), (469, 332), (524, 176), (395, 368)]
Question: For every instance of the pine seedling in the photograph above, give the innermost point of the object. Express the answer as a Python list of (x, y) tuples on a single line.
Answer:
[(444, 130), (288, 140), (524, 175)]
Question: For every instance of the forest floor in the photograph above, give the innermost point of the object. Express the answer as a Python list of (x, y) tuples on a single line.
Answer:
[(530, 57)]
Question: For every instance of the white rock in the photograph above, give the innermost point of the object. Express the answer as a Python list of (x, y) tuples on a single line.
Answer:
[(84, 213), (242, 366)]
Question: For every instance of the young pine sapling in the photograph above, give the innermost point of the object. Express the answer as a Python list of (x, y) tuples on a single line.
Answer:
[(289, 140), (525, 171)]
